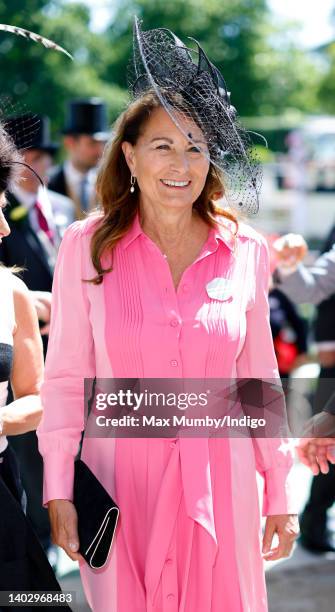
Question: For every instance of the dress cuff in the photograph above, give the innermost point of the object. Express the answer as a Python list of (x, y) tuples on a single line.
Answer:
[(279, 496), (58, 476)]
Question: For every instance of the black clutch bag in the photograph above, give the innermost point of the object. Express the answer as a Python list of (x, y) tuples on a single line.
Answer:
[(97, 513)]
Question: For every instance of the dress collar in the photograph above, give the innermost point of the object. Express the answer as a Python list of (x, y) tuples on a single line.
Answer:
[(134, 231), (222, 233)]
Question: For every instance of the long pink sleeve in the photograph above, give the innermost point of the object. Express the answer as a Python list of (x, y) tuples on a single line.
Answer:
[(70, 358), (274, 456)]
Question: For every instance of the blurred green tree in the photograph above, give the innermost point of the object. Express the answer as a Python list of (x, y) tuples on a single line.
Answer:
[(41, 80), (327, 85), (263, 67)]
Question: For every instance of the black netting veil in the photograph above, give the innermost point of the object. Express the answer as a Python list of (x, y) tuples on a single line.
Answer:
[(190, 87)]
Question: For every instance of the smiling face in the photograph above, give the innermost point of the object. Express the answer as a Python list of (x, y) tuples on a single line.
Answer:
[(170, 170)]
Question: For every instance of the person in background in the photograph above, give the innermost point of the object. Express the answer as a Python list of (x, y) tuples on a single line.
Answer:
[(85, 134), (288, 332), (315, 536), (312, 285), (324, 332), (37, 219), (36, 216), (23, 564), (289, 329)]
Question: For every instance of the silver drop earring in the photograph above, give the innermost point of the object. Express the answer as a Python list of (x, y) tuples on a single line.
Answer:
[(132, 183)]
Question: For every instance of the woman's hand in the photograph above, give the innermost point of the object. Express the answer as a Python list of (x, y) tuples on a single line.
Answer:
[(64, 532), (286, 526), (317, 443), (315, 453)]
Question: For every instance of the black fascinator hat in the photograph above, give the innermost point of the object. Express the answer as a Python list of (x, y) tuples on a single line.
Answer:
[(164, 65), (10, 159)]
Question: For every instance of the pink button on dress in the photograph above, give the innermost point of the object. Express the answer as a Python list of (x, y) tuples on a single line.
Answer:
[(189, 535)]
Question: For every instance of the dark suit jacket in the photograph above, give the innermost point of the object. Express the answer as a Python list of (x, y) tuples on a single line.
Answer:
[(23, 248), (57, 181), (324, 326)]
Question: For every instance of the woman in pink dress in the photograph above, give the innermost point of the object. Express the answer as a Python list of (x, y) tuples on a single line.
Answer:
[(179, 291)]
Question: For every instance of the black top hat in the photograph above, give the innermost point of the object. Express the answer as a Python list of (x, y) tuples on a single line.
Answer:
[(87, 117), (31, 131)]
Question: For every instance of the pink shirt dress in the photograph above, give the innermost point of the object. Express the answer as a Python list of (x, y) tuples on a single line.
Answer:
[(189, 534)]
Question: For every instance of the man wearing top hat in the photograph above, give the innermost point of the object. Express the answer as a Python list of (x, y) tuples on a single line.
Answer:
[(36, 215), (85, 135), (37, 218)]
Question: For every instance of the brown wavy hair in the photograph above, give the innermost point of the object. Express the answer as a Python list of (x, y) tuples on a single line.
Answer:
[(118, 204)]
